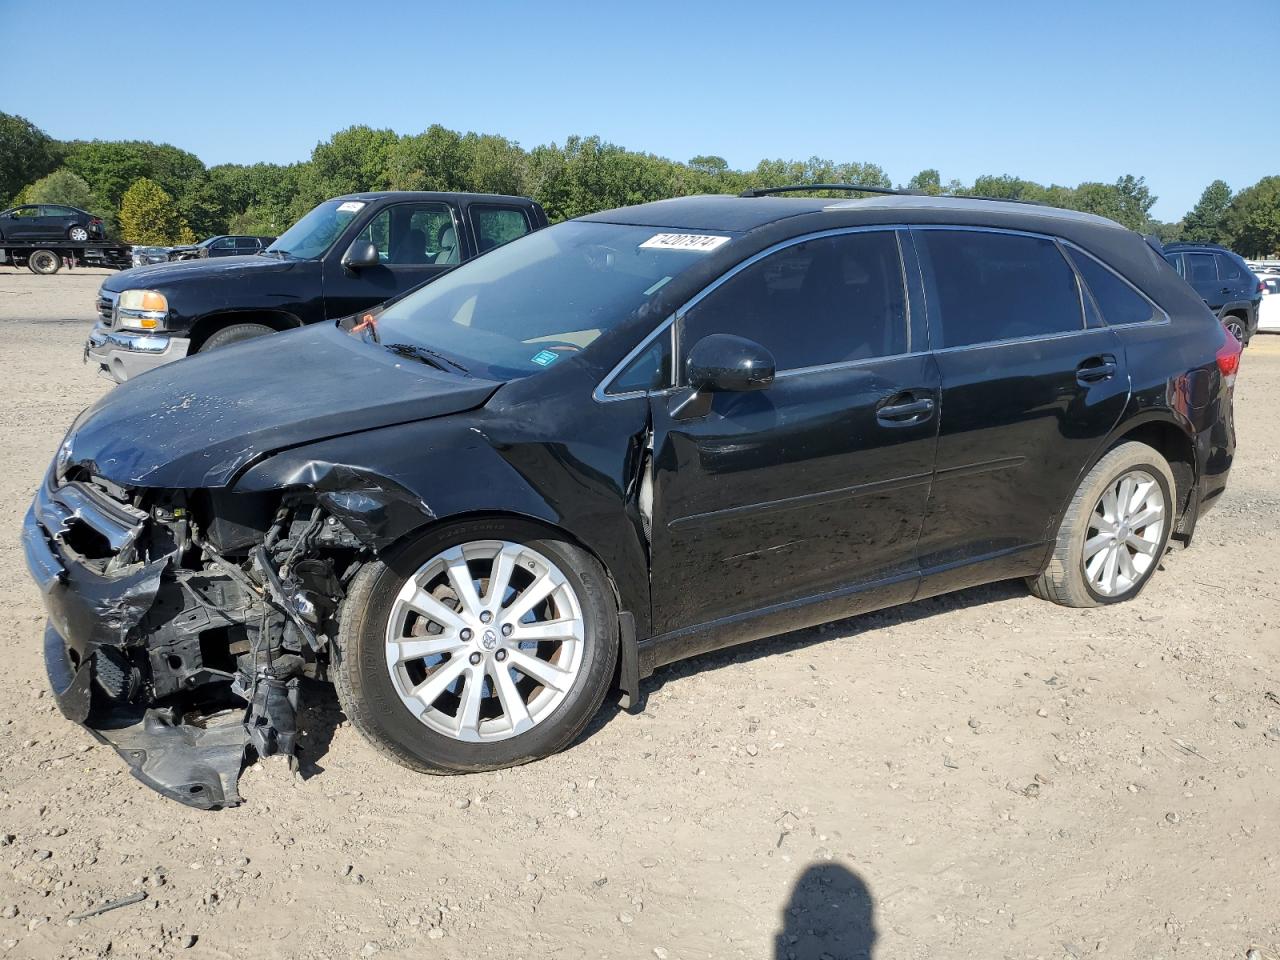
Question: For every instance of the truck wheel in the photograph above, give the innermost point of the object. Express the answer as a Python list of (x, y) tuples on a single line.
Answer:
[(480, 645), (44, 262), (78, 234), (234, 334)]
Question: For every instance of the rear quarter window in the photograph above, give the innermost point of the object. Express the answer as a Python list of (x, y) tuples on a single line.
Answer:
[(1119, 302), (997, 286)]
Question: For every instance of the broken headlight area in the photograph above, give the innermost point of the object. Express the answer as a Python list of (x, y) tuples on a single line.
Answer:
[(182, 623)]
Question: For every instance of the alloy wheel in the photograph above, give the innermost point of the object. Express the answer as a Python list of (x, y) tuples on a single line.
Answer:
[(79, 233), (1235, 327), (1124, 535), (485, 640)]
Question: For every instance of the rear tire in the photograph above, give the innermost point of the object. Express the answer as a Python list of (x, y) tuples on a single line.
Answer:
[(1107, 549), (234, 334), (78, 233), (1237, 327), (44, 262), (378, 664)]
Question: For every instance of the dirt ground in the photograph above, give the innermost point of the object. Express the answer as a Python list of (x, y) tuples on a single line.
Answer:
[(982, 775)]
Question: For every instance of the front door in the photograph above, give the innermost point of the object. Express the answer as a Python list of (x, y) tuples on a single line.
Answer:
[(1029, 392), (25, 224), (415, 241), (818, 483)]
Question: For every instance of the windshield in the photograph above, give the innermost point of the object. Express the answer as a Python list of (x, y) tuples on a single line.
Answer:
[(520, 308), (314, 234)]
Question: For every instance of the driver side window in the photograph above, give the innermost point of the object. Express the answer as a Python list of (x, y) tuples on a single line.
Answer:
[(828, 300)]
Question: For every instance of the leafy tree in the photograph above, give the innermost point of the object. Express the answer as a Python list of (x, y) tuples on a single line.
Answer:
[(148, 215), (1206, 221), (27, 153), (1253, 219), (432, 160), (64, 187), (352, 160), (926, 181)]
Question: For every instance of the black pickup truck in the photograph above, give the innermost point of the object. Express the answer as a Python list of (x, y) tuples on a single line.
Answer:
[(348, 254)]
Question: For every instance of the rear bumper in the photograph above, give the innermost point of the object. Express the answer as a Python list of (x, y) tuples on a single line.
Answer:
[(122, 355)]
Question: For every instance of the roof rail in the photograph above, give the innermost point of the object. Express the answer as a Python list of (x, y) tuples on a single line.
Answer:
[(851, 187), (891, 191)]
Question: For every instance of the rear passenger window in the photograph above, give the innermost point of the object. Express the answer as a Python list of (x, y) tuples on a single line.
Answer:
[(497, 225), (1175, 261), (1200, 268), (997, 286), (829, 300), (1228, 269), (1118, 301)]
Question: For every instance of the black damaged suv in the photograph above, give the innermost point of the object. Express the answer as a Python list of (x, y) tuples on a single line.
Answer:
[(620, 441)]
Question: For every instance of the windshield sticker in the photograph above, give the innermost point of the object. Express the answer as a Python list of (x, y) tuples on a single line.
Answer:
[(351, 206), (696, 242), (544, 358)]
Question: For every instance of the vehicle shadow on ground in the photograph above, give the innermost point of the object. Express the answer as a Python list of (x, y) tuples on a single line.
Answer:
[(838, 630), (321, 716), (799, 639), (830, 913)]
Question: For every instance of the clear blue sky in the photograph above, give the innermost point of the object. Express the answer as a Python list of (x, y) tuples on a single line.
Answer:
[(1054, 92)]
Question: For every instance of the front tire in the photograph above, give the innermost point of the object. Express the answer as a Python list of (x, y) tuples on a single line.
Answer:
[(479, 645), (1114, 531), (235, 334)]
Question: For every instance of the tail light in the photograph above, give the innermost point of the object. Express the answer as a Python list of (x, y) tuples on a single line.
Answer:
[(1228, 357), (97, 220)]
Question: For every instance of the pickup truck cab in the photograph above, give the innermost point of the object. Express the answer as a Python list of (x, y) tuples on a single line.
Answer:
[(348, 254)]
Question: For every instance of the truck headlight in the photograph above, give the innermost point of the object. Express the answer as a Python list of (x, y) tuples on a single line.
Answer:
[(142, 310)]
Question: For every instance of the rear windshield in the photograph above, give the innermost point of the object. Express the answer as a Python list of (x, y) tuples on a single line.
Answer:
[(544, 297)]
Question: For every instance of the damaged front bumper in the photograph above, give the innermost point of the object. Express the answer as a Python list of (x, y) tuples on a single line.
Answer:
[(128, 654)]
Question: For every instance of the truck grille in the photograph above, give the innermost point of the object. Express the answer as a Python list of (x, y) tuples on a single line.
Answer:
[(106, 305)]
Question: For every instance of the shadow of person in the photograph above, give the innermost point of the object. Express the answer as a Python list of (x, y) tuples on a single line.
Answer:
[(830, 916)]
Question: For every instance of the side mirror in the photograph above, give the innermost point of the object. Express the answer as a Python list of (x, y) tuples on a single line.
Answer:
[(724, 363), (359, 255)]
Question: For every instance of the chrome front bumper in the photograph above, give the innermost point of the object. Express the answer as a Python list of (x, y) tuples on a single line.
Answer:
[(122, 354)]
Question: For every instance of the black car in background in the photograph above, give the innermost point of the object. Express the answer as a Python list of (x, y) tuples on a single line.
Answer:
[(221, 246), (608, 445), (49, 221), (1225, 282), (348, 254)]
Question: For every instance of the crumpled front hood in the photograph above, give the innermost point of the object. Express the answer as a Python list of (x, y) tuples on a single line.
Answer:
[(160, 275), (196, 423)]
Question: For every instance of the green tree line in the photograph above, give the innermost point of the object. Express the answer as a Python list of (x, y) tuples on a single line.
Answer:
[(159, 193)]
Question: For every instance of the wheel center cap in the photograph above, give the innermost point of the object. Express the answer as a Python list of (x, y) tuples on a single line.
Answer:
[(488, 640)]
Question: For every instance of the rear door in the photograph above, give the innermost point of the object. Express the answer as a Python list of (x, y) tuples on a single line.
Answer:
[(416, 242), (1029, 392), (818, 484), (57, 220), (1202, 274)]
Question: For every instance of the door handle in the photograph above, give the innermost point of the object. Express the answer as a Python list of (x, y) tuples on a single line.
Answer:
[(1096, 369), (909, 411)]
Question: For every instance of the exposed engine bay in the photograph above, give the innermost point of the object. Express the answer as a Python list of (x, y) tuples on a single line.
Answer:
[(185, 621)]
